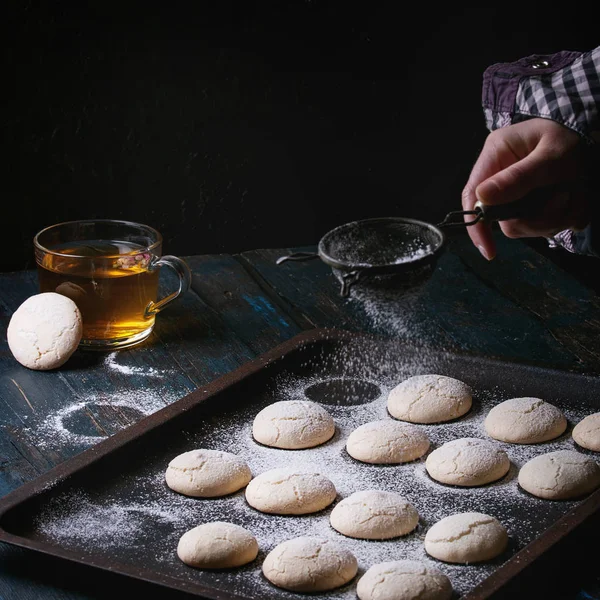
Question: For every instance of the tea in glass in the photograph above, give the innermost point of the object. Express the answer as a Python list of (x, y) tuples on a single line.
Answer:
[(110, 269)]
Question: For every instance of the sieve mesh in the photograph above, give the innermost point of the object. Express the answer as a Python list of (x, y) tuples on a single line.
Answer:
[(381, 243)]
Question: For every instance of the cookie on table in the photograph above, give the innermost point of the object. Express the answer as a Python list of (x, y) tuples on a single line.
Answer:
[(204, 473), (403, 580), (560, 475), (217, 545), (587, 432), (467, 537), (293, 425), (44, 332), (387, 442), (309, 564), (525, 421), (468, 462), (429, 399)]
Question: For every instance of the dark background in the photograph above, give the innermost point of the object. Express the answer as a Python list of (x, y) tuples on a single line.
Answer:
[(231, 125)]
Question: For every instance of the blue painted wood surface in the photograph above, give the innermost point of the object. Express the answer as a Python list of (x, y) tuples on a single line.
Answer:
[(518, 307)]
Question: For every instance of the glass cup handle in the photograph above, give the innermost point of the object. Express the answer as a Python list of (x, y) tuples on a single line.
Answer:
[(185, 281)]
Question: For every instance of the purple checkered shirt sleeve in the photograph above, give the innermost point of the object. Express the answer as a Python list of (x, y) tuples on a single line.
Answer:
[(563, 87)]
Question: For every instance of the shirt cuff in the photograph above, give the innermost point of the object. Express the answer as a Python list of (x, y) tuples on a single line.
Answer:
[(578, 242), (561, 87)]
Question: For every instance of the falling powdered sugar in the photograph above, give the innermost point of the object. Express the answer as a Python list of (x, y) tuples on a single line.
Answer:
[(392, 310)]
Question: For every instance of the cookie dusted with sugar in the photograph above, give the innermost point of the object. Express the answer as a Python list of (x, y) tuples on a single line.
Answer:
[(560, 475), (468, 462), (587, 432), (430, 399), (288, 491), (525, 421), (403, 580), (387, 442), (374, 515), (44, 331), (217, 545), (309, 564), (467, 537), (207, 473), (293, 425)]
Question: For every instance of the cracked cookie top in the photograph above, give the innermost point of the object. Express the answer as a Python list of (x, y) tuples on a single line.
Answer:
[(468, 462), (374, 515), (525, 421), (560, 475), (403, 580), (44, 331), (429, 399), (206, 473), (387, 442), (288, 491), (309, 564), (217, 545), (587, 432), (293, 425), (466, 538)]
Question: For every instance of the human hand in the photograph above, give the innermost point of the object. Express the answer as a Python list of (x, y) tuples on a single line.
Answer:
[(518, 159)]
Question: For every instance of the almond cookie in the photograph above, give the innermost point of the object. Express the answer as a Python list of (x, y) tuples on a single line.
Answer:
[(467, 462), (525, 421), (387, 442), (560, 475), (374, 515), (217, 545), (309, 564), (44, 331), (403, 580), (466, 538), (207, 473), (429, 399), (293, 425), (587, 432), (290, 492)]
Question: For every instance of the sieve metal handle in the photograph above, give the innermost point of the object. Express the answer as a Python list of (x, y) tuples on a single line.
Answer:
[(529, 206), (297, 256)]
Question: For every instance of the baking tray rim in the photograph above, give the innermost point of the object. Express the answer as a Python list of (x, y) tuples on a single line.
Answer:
[(517, 563)]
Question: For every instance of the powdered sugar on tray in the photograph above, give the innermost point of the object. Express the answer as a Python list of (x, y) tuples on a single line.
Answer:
[(137, 511)]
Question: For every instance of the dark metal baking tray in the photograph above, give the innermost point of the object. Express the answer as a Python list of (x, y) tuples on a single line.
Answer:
[(124, 475)]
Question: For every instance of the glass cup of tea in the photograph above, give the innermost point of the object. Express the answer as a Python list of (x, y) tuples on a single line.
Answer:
[(110, 269)]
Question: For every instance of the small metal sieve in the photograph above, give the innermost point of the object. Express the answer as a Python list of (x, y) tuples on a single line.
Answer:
[(398, 250)]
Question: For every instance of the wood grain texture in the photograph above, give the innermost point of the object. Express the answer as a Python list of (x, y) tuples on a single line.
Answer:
[(307, 290), (244, 306), (468, 304), (49, 416), (518, 307), (28, 575), (567, 310)]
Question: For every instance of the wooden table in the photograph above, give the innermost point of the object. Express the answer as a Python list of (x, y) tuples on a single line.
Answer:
[(518, 307)]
